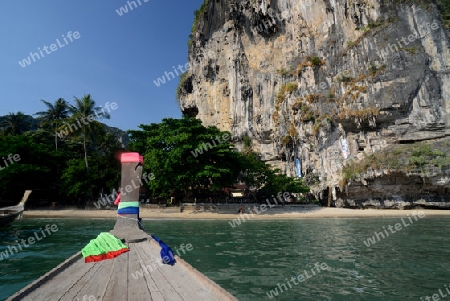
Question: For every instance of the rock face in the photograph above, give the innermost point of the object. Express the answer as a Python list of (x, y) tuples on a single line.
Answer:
[(311, 79)]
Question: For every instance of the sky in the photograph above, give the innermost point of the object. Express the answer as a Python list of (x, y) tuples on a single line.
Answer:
[(114, 58)]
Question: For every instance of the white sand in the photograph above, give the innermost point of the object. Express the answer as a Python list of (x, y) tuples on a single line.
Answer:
[(286, 213)]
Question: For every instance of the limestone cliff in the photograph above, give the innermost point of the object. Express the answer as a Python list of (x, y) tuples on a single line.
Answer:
[(305, 78)]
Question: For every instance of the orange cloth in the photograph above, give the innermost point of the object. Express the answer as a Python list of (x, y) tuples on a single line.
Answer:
[(109, 255)]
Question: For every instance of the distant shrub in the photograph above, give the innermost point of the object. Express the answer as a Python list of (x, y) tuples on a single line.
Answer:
[(286, 140), (183, 79), (283, 72), (351, 44), (198, 14), (345, 78), (291, 87), (401, 158), (316, 61)]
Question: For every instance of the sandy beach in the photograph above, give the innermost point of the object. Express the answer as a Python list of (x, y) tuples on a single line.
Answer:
[(272, 214)]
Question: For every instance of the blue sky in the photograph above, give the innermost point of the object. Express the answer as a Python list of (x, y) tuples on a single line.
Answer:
[(115, 59)]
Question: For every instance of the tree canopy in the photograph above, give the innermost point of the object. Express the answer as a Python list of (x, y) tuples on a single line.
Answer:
[(182, 155), (58, 170)]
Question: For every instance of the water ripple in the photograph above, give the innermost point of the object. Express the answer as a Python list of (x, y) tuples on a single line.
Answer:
[(259, 256)]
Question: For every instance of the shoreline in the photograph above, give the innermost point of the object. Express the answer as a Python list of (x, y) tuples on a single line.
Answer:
[(278, 214)]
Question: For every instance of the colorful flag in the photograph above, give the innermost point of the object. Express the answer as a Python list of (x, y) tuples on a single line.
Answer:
[(105, 246)]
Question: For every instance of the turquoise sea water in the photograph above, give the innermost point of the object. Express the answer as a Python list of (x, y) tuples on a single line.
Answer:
[(253, 258)]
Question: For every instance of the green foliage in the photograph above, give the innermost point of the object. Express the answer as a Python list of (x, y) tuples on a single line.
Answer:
[(351, 44), (283, 72), (103, 175), (344, 78), (257, 173), (15, 124), (84, 108), (183, 79), (75, 179), (174, 151), (316, 61), (278, 182), (170, 149), (55, 115), (331, 95), (311, 179), (285, 90), (372, 69), (286, 140), (444, 7), (290, 87), (410, 50), (36, 168), (401, 158), (423, 154), (43, 168), (317, 126), (374, 24), (58, 173), (247, 143), (198, 14), (305, 109)]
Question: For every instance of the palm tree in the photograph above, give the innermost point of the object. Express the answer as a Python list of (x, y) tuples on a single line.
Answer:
[(85, 114), (15, 124), (56, 113)]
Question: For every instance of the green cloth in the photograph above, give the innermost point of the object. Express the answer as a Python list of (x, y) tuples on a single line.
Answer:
[(128, 204), (104, 243)]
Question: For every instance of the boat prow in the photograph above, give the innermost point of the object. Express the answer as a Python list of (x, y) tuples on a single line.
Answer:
[(11, 213)]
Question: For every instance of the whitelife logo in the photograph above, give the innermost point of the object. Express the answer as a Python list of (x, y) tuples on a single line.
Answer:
[(204, 146), (378, 235), (70, 127), (53, 47), (435, 297), (426, 27), (262, 208), (109, 200), (10, 158), (124, 9), (13, 249), (162, 80), (184, 248), (296, 280)]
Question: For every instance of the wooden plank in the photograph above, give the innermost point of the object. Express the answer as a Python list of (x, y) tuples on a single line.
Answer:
[(117, 287), (187, 286), (55, 290), (150, 254), (137, 288), (35, 285), (185, 278), (179, 278), (219, 292), (93, 284), (151, 285), (111, 280)]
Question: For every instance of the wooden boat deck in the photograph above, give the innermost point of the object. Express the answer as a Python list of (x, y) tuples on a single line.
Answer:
[(133, 276), (112, 279)]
